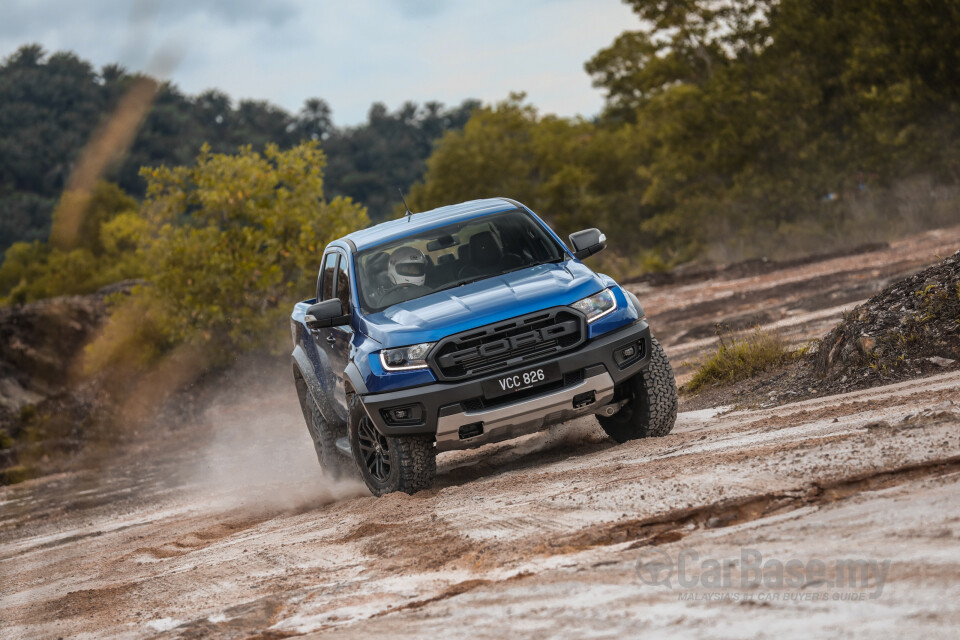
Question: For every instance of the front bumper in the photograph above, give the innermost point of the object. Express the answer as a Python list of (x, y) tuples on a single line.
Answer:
[(449, 406)]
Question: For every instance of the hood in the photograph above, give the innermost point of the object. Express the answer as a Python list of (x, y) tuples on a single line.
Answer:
[(493, 299)]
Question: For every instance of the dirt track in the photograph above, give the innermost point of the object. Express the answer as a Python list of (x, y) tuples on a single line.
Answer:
[(225, 529)]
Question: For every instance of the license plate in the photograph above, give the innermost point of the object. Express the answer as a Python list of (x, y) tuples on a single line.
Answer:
[(520, 380)]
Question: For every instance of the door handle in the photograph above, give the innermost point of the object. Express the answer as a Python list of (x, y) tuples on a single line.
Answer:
[(331, 339)]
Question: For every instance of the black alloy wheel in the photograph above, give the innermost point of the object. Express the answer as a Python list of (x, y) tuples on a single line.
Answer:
[(374, 449), (389, 463)]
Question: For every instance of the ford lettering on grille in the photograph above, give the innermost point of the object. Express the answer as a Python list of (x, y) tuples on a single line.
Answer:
[(505, 344), (499, 347)]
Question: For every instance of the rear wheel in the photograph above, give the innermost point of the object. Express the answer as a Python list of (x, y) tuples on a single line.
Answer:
[(324, 435), (651, 407), (390, 463)]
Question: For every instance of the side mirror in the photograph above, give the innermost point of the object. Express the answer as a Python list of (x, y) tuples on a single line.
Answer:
[(587, 242), (328, 313)]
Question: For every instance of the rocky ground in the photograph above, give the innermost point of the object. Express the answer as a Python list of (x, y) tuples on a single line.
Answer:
[(910, 328), (834, 514)]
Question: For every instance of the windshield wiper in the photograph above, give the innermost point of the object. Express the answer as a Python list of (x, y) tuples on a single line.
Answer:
[(493, 275), (532, 264), (538, 263), (520, 268), (472, 280)]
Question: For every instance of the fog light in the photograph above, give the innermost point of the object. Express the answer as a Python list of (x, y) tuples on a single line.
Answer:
[(628, 354), (405, 415)]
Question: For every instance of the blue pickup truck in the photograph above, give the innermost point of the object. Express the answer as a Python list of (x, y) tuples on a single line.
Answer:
[(464, 325)]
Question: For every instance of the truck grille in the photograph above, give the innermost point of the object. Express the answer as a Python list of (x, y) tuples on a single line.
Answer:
[(507, 344)]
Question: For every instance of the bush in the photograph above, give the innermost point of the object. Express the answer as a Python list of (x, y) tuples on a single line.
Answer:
[(739, 359), (13, 475)]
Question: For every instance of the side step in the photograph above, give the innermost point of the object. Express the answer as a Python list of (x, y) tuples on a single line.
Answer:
[(343, 446)]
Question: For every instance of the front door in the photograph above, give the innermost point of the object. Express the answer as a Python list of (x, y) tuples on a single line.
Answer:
[(335, 342)]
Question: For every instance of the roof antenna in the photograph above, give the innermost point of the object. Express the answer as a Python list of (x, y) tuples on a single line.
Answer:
[(409, 213)]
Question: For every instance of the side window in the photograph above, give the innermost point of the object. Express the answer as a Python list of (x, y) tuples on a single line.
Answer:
[(329, 270), (343, 284)]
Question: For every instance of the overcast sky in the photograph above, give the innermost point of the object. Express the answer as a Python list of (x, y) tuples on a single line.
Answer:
[(349, 52)]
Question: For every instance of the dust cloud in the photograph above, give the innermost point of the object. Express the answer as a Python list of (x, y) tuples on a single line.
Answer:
[(257, 455), (245, 446), (572, 434), (573, 438)]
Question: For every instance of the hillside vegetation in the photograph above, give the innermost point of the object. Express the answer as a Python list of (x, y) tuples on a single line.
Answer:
[(736, 129), (50, 105)]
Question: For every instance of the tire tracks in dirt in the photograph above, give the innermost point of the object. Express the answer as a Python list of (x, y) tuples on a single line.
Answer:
[(553, 517), (673, 526)]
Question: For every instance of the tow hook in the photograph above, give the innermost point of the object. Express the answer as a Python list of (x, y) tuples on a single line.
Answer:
[(613, 407)]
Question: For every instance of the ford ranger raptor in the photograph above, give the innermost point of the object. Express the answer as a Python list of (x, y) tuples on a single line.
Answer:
[(461, 326)]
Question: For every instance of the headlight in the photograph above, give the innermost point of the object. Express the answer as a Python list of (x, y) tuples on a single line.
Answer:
[(597, 305), (406, 358)]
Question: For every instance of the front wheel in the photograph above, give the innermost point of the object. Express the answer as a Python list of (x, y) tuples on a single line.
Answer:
[(390, 463), (651, 401)]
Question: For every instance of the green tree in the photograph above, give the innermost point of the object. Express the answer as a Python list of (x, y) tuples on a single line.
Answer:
[(105, 201), (53, 103), (493, 155), (103, 252), (765, 121), (572, 172), (388, 152), (686, 42), (234, 241), (24, 262)]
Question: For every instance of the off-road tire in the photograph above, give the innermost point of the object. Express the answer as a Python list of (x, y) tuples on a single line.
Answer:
[(324, 435), (412, 460), (652, 408)]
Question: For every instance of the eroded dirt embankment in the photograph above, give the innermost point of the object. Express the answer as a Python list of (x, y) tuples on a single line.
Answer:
[(909, 329), (801, 300), (225, 528), (43, 409)]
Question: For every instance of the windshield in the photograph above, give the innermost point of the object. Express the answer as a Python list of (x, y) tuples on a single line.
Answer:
[(450, 256)]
